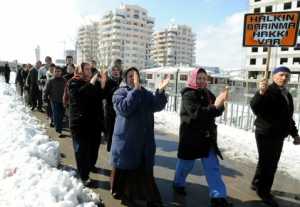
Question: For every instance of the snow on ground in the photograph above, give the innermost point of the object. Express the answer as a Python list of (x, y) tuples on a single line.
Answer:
[(28, 173), (236, 143)]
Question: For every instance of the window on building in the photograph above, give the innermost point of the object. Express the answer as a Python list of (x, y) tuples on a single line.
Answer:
[(252, 61), (149, 76), (256, 0), (256, 10), (287, 5), (298, 3), (284, 49), (283, 60), (296, 60), (183, 77), (254, 49), (265, 49), (264, 61), (269, 8)]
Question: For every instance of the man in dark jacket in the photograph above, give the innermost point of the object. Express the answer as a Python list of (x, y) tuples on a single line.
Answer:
[(20, 79), (85, 104), (69, 62), (273, 107), (32, 83), (6, 72), (54, 91)]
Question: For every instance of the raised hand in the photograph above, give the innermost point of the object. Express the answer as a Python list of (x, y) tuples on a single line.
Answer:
[(94, 79), (263, 86), (226, 91), (136, 81), (103, 78), (163, 84), (219, 102)]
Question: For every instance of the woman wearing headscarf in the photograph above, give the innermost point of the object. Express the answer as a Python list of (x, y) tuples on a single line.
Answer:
[(133, 145), (198, 136)]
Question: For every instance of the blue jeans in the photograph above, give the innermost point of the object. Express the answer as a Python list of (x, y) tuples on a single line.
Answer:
[(212, 173), (58, 114)]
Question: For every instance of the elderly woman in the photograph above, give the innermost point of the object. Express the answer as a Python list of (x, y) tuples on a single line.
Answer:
[(198, 136), (133, 144)]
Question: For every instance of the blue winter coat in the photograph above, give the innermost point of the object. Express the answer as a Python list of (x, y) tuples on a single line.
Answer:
[(133, 143)]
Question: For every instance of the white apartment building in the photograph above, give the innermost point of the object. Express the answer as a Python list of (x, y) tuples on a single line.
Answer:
[(174, 46), (125, 33), (287, 56), (87, 46)]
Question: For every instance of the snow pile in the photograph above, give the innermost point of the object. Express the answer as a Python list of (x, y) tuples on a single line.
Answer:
[(236, 143), (28, 174)]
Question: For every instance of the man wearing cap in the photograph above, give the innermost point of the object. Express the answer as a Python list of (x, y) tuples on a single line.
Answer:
[(273, 106)]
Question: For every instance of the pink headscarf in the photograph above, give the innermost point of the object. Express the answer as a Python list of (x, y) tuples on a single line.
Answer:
[(192, 80)]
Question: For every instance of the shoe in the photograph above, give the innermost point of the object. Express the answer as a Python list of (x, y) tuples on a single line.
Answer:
[(116, 196), (94, 169), (154, 204), (41, 110), (61, 135), (220, 202), (32, 108), (253, 187), (269, 200), (254, 184), (100, 203), (128, 202), (87, 182), (179, 190)]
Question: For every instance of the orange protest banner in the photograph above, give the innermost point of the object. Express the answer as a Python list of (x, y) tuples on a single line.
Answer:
[(271, 29)]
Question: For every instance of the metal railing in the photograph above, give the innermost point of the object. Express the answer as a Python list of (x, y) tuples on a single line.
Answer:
[(238, 115)]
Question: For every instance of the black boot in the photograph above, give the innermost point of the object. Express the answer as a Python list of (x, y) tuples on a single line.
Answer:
[(179, 190), (268, 199), (154, 204), (220, 202)]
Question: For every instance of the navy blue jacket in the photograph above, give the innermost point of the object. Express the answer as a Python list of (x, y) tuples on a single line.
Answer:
[(133, 143)]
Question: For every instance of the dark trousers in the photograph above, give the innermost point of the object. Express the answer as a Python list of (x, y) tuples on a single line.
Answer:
[(96, 140), (109, 130), (85, 149), (58, 113), (269, 151), (82, 149), (49, 111), (7, 78), (20, 89), (40, 99), (33, 93)]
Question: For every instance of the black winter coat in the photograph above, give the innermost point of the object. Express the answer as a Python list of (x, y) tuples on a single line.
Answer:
[(32, 81), (109, 112), (198, 131), (274, 115), (85, 105)]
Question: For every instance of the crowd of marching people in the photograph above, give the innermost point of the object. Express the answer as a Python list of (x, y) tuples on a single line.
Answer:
[(114, 103)]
